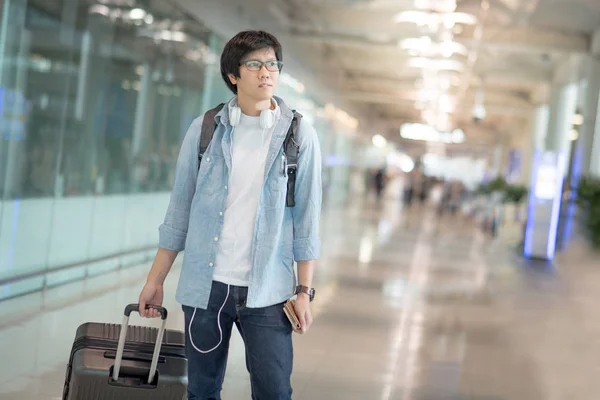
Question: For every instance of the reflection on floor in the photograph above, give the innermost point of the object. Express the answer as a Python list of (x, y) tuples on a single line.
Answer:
[(408, 307)]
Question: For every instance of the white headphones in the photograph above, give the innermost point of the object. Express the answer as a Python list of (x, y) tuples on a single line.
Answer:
[(267, 116)]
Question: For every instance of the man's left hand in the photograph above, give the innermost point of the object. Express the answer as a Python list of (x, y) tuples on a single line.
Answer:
[(302, 307)]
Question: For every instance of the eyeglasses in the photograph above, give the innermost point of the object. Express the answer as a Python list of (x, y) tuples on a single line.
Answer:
[(254, 65)]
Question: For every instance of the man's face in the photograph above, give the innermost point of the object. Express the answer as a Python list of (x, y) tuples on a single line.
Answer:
[(258, 85)]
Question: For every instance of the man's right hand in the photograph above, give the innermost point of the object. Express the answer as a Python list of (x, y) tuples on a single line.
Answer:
[(152, 294)]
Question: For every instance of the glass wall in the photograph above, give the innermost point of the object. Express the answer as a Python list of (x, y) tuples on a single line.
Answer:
[(95, 97)]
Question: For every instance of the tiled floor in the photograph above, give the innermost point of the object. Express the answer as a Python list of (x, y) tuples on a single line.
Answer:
[(407, 308)]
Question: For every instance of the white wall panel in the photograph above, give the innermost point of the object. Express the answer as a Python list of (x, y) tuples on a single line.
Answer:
[(24, 235), (40, 233), (71, 230)]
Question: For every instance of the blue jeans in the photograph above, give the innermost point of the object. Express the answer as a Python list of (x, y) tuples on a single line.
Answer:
[(267, 336)]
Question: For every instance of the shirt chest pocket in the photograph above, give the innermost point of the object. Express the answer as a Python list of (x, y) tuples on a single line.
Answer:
[(277, 181), (211, 176), (277, 188)]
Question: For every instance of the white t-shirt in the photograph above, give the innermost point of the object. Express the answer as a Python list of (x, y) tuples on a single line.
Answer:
[(250, 147)]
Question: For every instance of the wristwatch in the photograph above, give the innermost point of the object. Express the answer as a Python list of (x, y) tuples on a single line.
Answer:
[(305, 289)]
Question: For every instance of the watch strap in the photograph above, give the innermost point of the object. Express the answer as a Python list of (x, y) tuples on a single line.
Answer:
[(305, 289)]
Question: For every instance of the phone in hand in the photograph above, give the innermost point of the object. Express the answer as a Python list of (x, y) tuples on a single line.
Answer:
[(290, 312)]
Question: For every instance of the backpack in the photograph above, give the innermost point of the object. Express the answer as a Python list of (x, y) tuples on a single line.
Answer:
[(291, 147)]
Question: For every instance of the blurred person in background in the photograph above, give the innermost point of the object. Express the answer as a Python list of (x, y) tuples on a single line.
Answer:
[(380, 181)]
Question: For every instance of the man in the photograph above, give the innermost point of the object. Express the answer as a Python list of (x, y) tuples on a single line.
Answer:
[(380, 181), (240, 235)]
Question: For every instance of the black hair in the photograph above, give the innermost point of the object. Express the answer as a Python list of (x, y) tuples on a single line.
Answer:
[(239, 46)]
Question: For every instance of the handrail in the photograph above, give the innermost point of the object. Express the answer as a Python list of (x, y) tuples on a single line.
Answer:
[(34, 274)]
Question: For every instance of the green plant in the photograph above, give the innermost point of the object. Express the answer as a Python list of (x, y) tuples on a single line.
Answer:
[(496, 185), (515, 193), (588, 198)]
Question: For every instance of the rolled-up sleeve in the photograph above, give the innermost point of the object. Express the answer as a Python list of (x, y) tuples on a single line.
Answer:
[(173, 230), (306, 213)]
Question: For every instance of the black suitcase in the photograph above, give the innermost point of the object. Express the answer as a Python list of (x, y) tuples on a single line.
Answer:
[(108, 362)]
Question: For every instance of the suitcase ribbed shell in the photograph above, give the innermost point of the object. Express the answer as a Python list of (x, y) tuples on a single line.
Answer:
[(88, 376)]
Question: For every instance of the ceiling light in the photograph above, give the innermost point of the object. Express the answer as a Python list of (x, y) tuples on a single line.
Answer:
[(99, 9), (137, 13), (448, 48), (438, 65), (479, 112), (417, 17), (430, 134), (402, 161), (458, 136), (407, 164), (573, 135), (462, 18), (365, 252), (379, 141), (446, 104), (422, 18), (578, 119), (171, 36), (425, 46), (423, 43), (447, 51)]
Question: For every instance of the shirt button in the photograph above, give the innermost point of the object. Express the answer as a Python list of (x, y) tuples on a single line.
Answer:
[(210, 265), (225, 187), (221, 213), (216, 238)]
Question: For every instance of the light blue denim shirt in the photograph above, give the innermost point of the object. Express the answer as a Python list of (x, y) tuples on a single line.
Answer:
[(194, 218)]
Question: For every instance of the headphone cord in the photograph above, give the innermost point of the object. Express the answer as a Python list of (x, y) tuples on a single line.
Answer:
[(218, 323)]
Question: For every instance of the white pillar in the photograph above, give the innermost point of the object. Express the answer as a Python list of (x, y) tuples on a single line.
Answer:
[(591, 129), (564, 104), (589, 108), (594, 166), (139, 129), (539, 129), (497, 166)]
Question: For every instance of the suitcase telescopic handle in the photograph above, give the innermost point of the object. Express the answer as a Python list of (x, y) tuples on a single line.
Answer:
[(123, 336), (136, 307)]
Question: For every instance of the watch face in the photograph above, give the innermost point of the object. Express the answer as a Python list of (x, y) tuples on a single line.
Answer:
[(309, 291)]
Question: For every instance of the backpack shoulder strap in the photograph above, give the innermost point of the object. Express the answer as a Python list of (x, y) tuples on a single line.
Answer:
[(292, 151), (208, 130)]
